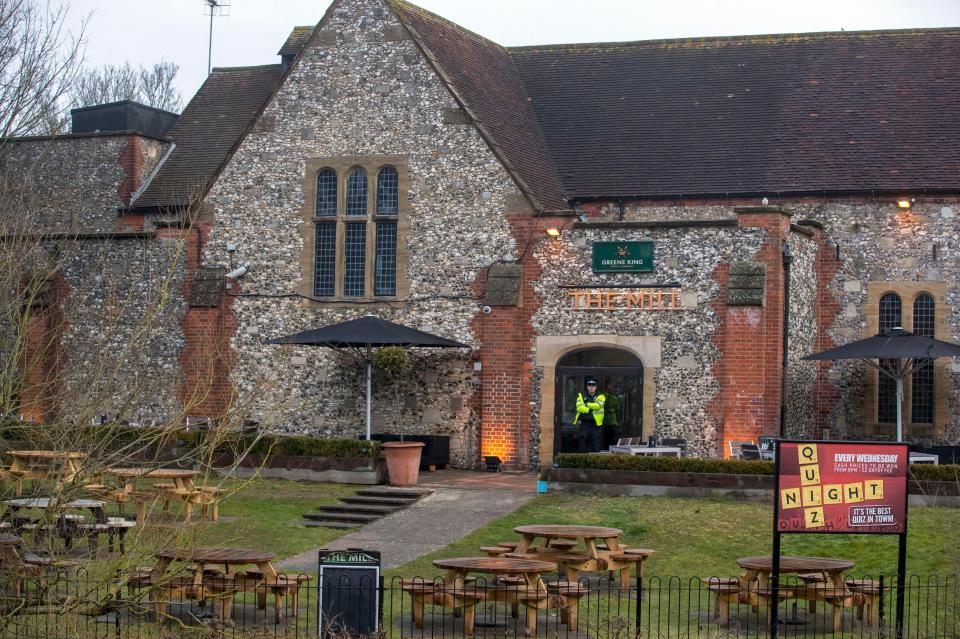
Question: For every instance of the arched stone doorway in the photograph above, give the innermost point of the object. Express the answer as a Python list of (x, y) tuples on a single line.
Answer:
[(619, 374), (552, 351)]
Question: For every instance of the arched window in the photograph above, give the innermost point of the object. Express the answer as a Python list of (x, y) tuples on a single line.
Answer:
[(921, 411), (357, 192), (327, 193), (890, 317), (388, 191)]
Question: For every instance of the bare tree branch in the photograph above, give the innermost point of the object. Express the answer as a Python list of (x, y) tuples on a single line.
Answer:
[(151, 86)]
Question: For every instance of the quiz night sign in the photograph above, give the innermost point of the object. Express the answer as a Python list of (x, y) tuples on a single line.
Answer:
[(842, 487)]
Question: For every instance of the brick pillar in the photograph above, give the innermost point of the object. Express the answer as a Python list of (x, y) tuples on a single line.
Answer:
[(506, 354), (208, 328), (751, 339), (40, 359), (131, 161), (825, 312)]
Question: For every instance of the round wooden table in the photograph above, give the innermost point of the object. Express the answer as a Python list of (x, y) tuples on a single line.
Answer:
[(533, 595), (760, 568), (194, 586)]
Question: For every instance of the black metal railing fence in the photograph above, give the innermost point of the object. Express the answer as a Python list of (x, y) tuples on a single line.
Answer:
[(216, 605)]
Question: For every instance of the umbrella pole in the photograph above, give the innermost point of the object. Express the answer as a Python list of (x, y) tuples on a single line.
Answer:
[(899, 408), (369, 371)]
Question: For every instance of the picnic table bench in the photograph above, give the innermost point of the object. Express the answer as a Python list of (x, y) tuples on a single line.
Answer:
[(518, 582)]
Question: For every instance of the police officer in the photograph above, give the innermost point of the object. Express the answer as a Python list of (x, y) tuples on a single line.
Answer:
[(590, 417)]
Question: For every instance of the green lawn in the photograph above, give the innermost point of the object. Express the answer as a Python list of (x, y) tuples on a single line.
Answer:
[(704, 537)]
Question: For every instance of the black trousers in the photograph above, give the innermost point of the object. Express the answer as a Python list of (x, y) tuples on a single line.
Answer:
[(591, 437)]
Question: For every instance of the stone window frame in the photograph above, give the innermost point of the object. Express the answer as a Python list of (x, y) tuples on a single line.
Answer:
[(342, 165), (908, 292)]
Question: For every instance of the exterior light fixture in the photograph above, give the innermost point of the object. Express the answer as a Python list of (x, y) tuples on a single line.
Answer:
[(904, 203), (553, 232)]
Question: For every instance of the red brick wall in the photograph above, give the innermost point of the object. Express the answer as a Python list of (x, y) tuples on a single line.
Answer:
[(207, 359), (506, 349), (41, 359), (825, 394), (131, 160), (750, 340)]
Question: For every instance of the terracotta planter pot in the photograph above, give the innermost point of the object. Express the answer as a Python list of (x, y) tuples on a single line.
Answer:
[(403, 462)]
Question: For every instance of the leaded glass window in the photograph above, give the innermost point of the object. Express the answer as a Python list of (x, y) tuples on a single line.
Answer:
[(357, 192), (324, 276), (890, 317), (385, 276), (327, 193), (354, 259), (388, 191), (922, 390)]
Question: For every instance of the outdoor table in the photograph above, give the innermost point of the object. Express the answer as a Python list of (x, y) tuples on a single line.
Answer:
[(755, 582), (924, 458), (64, 466), (264, 577), (66, 527), (182, 478), (648, 451), (532, 593), (594, 559)]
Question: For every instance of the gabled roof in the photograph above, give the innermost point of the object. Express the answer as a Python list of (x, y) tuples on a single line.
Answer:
[(206, 133), (848, 112), (482, 76), (802, 114)]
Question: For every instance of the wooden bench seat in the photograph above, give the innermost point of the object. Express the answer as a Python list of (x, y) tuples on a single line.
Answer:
[(284, 587), (494, 551), (631, 556), (566, 596), (869, 592)]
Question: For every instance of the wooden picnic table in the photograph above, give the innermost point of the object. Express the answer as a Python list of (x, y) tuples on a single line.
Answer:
[(182, 477), (64, 466), (264, 578), (754, 584), (94, 506), (531, 593), (759, 569)]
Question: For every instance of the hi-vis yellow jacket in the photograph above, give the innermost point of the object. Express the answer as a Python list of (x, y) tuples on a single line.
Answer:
[(595, 408)]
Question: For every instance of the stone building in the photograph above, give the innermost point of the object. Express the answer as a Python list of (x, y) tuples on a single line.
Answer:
[(683, 219)]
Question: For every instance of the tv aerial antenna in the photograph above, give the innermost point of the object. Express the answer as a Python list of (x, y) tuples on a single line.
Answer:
[(214, 8)]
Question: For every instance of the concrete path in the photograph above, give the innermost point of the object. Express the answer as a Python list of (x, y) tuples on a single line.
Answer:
[(457, 507)]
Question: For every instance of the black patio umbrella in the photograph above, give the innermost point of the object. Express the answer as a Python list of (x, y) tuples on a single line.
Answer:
[(362, 336), (910, 351)]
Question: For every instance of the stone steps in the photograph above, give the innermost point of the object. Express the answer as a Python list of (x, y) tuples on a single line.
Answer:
[(367, 505)]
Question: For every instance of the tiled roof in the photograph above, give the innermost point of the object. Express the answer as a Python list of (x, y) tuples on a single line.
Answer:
[(295, 41), (837, 112), (483, 77), (206, 133), (782, 114)]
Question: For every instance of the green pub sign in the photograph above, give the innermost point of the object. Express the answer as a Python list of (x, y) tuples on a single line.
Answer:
[(622, 257)]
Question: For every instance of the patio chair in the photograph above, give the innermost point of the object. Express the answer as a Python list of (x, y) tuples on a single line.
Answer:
[(768, 447), (749, 451), (735, 447)]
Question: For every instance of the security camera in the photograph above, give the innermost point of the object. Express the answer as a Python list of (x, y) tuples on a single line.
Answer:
[(487, 310)]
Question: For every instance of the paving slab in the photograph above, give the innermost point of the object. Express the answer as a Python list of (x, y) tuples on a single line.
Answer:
[(428, 525)]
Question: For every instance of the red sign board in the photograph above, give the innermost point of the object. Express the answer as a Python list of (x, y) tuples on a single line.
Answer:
[(842, 487)]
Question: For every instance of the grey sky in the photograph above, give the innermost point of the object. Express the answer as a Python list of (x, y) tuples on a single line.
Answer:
[(146, 31)]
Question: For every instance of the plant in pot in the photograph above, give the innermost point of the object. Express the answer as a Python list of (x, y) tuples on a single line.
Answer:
[(403, 457)]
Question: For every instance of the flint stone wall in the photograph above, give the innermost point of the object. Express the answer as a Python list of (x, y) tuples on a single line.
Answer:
[(123, 338), (690, 256), (879, 242), (801, 375), (70, 183), (361, 91)]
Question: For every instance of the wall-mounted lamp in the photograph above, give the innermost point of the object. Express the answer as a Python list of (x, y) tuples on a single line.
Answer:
[(553, 232), (904, 203)]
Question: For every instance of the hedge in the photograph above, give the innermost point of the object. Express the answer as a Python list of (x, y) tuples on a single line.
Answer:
[(664, 464), (920, 472), (18, 435), (314, 447)]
